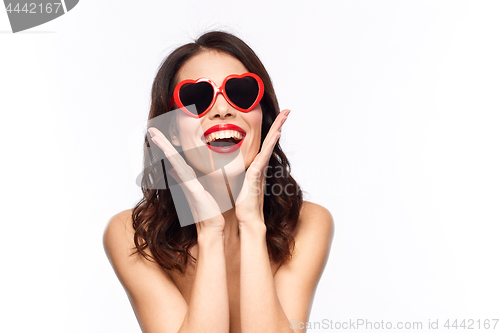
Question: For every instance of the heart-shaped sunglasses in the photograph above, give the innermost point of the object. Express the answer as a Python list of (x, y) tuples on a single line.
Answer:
[(243, 92)]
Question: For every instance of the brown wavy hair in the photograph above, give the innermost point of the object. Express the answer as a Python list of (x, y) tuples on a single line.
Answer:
[(154, 217)]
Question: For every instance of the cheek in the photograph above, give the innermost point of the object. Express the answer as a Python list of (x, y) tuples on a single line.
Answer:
[(189, 130), (194, 149), (254, 121)]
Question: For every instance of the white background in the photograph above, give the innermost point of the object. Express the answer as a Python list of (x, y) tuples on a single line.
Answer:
[(394, 128)]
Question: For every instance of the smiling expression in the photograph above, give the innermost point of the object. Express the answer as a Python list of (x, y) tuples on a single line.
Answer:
[(221, 122)]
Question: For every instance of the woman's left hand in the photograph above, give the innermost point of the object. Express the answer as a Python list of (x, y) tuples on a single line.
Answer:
[(250, 201)]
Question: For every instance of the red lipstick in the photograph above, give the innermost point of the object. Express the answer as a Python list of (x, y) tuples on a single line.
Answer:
[(224, 127)]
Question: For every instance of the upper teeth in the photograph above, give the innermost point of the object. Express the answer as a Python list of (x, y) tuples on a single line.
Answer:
[(223, 135)]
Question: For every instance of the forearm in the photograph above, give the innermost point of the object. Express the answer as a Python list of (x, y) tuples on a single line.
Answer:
[(208, 309), (261, 310)]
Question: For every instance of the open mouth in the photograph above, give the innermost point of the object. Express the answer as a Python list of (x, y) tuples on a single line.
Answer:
[(224, 138)]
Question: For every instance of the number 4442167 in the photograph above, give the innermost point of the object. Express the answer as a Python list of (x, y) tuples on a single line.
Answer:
[(33, 8), (472, 324)]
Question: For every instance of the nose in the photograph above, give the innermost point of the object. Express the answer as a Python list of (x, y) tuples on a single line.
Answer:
[(221, 109)]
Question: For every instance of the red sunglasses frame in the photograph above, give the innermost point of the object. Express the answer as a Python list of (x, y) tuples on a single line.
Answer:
[(217, 90)]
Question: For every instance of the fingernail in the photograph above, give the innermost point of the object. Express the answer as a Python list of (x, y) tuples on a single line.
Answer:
[(283, 121), (151, 133), (287, 112)]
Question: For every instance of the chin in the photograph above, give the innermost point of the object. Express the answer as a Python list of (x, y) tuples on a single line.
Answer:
[(233, 163), (205, 161)]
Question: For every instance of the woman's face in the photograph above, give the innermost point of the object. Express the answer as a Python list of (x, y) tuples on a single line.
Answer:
[(191, 133)]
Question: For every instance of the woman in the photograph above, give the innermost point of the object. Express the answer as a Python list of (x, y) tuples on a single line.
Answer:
[(248, 266)]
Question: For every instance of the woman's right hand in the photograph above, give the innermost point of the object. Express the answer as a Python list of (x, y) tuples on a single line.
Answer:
[(205, 210)]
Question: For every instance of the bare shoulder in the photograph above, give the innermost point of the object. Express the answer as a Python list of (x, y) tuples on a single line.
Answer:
[(118, 242), (302, 273), (120, 219), (156, 300), (118, 233), (313, 237), (314, 221)]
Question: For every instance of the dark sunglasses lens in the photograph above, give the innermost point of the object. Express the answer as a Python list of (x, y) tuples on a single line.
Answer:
[(242, 91), (200, 94)]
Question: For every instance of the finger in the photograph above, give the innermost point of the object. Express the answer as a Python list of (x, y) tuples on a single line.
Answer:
[(275, 127), (277, 124), (183, 171), (262, 159), (161, 141), (173, 156)]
